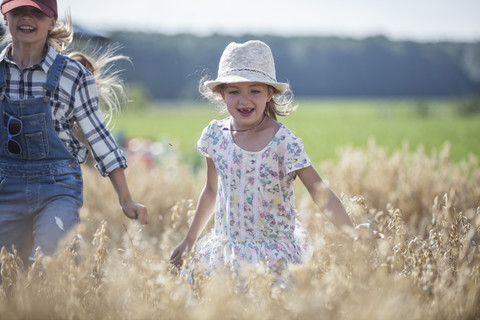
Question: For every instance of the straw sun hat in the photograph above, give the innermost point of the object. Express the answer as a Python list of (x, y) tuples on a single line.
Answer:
[(251, 61)]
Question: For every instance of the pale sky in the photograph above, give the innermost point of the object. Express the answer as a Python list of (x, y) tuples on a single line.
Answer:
[(422, 20)]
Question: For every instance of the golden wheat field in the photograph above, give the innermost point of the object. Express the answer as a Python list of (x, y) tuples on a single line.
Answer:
[(426, 267)]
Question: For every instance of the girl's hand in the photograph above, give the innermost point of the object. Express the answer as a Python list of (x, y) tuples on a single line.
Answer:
[(177, 255), (368, 228), (136, 211), (131, 209)]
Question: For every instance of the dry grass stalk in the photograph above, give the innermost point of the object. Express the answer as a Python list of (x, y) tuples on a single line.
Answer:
[(427, 267)]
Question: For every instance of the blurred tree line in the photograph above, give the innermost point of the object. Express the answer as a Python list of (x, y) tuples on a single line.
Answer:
[(170, 66)]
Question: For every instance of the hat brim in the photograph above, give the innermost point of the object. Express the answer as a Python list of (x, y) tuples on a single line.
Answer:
[(213, 84), (9, 6)]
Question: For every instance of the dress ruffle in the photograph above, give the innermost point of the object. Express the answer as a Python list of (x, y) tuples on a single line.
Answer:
[(216, 251)]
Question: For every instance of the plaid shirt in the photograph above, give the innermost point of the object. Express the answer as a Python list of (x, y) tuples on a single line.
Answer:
[(74, 101)]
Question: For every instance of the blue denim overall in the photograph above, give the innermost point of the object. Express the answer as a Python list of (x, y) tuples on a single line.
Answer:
[(41, 186)]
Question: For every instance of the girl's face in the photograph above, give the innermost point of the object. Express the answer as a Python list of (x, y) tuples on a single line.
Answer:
[(246, 102), (28, 25)]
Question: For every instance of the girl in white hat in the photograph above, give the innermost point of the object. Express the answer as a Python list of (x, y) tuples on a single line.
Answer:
[(44, 95), (252, 161)]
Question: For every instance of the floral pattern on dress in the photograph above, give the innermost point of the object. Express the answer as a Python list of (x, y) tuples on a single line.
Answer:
[(255, 218)]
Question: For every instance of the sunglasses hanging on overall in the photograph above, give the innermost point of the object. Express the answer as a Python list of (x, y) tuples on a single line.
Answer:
[(14, 128)]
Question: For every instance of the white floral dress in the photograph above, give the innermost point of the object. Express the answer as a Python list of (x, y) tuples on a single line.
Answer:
[(255, 205)]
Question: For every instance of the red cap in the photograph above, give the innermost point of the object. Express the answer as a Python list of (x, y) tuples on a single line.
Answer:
[(49, 7)]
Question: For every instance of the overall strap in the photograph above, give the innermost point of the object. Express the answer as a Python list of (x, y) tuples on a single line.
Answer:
[(54, 73), (3, 70)]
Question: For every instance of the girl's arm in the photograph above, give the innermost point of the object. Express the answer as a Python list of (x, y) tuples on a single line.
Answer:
[(327, 201), (132, 209), (203, 213), (324, 197)]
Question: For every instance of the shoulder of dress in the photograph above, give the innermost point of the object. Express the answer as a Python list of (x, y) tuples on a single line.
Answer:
[(284, 133), (219, 124)]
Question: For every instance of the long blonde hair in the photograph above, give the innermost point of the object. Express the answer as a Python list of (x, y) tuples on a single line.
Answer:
[(111, 89), (62, 34)]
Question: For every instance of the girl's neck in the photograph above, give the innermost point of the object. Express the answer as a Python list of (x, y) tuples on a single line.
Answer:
[(27, 55), (248, 129), (257, 138)]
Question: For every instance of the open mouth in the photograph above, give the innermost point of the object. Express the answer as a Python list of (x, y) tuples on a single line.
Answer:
[(246, 111), (26, 29)]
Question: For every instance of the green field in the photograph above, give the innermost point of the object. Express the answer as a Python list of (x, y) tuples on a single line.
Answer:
[(325, 125)]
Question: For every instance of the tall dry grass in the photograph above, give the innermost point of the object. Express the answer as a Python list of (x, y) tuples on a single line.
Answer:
[(427, 267)]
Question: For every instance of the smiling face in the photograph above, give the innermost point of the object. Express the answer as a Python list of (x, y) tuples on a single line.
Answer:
[(28, 25), (246, 102)]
